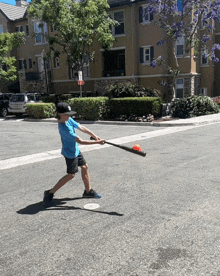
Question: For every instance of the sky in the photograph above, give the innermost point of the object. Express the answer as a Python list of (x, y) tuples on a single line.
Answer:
[(12, 2)]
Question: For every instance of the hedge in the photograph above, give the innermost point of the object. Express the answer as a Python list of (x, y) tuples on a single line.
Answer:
[(41, 110), (89, 108), (100, 108), (137, 106)]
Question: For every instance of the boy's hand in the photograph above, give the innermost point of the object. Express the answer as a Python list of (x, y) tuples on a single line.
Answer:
[(96, 138), (101, 142)]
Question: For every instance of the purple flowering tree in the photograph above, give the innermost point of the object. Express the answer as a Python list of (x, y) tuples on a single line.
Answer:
[(194, 21)]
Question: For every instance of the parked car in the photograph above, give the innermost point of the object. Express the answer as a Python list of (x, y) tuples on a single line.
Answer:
[(18, 102), (4, 103)]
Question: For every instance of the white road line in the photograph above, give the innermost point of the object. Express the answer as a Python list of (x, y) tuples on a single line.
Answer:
[(48, 155)]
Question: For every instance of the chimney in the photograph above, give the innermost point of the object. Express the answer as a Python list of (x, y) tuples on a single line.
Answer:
[(21, 3)]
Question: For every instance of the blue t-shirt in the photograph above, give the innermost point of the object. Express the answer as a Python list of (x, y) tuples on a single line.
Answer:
[(70, 148)]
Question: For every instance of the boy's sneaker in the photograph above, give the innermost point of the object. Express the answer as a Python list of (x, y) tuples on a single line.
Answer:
[(48, 199), (91, 194)]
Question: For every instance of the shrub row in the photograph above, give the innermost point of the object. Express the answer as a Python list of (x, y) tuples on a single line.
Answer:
[(142, 106), (90, 108), (41, 110), (98, 108)]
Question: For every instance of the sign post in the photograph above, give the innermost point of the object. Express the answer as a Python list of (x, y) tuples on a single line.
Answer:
[(80, 82)]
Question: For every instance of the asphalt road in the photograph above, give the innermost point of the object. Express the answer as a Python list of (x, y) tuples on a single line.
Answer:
[(158, 215)]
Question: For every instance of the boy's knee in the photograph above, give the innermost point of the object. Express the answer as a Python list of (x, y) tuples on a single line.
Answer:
[(71, 176), (84, 167)]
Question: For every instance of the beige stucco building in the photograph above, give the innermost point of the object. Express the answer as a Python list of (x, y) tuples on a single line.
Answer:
[(128, 60)]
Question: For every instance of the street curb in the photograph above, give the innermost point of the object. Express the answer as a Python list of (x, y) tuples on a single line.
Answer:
[(166, 123)]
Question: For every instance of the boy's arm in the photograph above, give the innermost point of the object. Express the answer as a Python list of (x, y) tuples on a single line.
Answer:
[(87, 131), (84, 142)]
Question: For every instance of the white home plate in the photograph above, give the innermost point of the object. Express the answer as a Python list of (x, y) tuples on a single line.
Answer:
[(91, 206)]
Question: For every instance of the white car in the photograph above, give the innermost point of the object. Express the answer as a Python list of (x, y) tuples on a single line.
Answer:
[(18, 102)]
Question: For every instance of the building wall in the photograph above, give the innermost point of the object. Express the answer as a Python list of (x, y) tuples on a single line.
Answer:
[(136, 36)]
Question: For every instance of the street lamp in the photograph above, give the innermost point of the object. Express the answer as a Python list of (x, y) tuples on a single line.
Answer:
[(43, 55)]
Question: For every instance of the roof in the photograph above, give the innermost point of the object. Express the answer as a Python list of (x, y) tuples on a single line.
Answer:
[(12, 12)]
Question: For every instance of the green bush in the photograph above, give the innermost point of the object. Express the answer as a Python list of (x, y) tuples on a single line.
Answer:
[(134, 106), (124, 90), (41, 110), (89, 108), (193, 106)]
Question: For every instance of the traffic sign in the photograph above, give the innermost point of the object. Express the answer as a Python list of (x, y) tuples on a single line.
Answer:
[(80, 75), (81, 82)]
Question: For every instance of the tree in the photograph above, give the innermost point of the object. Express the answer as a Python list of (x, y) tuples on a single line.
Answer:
[(8, 41), (191, 20), (77, 23)]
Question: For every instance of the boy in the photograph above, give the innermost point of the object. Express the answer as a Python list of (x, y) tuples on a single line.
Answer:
[(71, 152)]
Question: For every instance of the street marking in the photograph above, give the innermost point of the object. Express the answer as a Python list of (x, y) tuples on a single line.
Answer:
[(48, 155)]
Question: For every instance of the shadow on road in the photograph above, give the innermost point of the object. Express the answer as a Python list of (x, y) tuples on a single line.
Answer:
[(35, 208)]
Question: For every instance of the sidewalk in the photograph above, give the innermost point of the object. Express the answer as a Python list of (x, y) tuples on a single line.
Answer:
[(163, 122)]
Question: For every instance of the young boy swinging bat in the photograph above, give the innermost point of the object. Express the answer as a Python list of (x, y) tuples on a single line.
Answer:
[(71, 153)]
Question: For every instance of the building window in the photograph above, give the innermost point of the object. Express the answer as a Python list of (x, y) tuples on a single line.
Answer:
[(1, 29), (86, 67), (179, 88), (56, 62), (40, 30), (144, 15), (27, 30), (114, 63), (19, 29), (204, 91), (73, 73), (204, 58), (85, 70), (180, 47), (30, 63), (22, 64), (120, 29), (146, 54)]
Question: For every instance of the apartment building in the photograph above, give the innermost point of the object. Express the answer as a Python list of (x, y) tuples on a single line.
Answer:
[(128, 60)]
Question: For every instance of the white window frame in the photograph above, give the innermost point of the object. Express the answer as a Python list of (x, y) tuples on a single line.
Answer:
[(40, 31), (179, 86), (112, 15), (180, 42), (145, 61), (145, 21)]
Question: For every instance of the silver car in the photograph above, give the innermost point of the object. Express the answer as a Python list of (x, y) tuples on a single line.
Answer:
[(18, 102)]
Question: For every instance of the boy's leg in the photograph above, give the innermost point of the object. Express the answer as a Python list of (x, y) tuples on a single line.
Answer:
[(62, 182), (86, 177), (90, 193), (48, 195)]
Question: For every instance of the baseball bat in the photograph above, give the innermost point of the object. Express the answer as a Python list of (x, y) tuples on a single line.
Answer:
[(141, 153)]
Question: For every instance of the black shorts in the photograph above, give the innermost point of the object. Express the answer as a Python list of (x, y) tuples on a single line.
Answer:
[(73, 164)]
